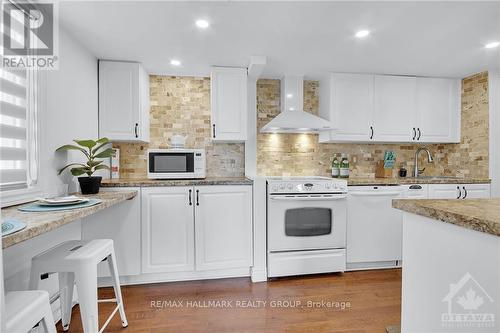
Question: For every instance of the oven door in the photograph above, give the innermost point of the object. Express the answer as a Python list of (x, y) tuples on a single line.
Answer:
[(171, 164), (306, 222)]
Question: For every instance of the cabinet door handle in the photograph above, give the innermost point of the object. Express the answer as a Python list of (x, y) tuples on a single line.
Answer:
[(197, 197), (414, 133), (465, 193), (190, 200), (213, 131), (135, 130), (371, 132), (459, 192), (419, 134)]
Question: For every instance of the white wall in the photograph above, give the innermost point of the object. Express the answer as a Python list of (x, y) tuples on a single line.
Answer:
[(70, 111), (494, 111)]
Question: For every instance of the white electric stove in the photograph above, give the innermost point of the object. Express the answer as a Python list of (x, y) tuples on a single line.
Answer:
[(306, 225)]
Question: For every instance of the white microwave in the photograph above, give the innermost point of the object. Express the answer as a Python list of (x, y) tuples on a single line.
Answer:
[(176, 163)]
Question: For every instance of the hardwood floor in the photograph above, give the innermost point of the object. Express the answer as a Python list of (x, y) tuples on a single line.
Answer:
[(374, 297)]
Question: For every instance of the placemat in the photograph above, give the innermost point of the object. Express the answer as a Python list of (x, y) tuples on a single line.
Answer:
[(10, 226), (34, 207)]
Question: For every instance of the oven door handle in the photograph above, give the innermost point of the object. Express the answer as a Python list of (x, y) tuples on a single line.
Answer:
[(374, 194), (308, 198)]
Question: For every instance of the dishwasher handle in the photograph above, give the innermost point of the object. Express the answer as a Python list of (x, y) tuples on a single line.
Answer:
[(375, 194)]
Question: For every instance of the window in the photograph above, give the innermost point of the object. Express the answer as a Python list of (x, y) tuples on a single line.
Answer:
[(19, 102), (18, 132)]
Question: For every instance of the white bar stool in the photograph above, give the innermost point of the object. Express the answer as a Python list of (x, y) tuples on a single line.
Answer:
[(25, 309), (77, 260)]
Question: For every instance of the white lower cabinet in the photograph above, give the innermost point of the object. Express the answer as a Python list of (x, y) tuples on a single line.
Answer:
[(223, 227), (459, 191), (167, 229), (201, 228)]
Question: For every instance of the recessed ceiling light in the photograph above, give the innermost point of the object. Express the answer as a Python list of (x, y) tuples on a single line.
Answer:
[(289, 95), (202, 24), (175, 62), (492, 45), (362, 33)]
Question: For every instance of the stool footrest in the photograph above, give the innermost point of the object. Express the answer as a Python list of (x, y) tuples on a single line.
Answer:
[(109, 300), (109, 319)]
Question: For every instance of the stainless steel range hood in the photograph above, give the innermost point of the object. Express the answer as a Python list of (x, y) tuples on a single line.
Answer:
[(293, 119)]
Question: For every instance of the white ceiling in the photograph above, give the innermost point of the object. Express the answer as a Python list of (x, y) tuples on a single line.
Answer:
[(426, 38)]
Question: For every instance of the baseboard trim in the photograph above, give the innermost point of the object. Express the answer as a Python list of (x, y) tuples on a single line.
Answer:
[(259, 275), (176, 276)]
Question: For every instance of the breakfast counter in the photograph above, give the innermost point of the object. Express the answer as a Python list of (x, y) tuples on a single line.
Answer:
[(451, 256), (476, 214), (42, 222), (145, 182)]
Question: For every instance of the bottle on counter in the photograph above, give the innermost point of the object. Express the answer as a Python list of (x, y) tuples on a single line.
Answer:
[(344, 167), (335, 167)]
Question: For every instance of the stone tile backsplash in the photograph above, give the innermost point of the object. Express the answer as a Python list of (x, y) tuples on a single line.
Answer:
[(301, 154), (181, 105)]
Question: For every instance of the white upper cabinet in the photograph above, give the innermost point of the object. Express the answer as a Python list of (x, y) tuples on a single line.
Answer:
[(438, 110), (229, 103), (394, 108), (347, 101), (123, 101), (384, 108)]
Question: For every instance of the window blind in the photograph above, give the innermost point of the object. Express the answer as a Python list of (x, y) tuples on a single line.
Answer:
[(14, 104)]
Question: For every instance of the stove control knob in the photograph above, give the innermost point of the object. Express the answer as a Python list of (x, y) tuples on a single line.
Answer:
[(289, 186), (282, 186), (274, 188), (327, 186)]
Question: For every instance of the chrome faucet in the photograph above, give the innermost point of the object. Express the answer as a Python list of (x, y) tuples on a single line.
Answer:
[(416, 171)]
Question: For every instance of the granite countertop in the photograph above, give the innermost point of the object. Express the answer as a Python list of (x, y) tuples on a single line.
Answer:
[(144, 182), (411, 180), (41, 222), (477, 214)]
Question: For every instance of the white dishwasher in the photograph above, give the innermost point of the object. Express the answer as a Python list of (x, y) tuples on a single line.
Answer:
[(374, 228)]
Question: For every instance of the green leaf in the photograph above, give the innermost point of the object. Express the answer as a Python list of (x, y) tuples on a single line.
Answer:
[(72, 147), (93, 163), (69, 165), (80, 171), (106, 153), (102, 140), (100, 145), (101, 167), (86, 143)]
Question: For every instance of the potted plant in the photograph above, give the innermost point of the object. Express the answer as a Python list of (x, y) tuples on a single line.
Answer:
[(94, 152)]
